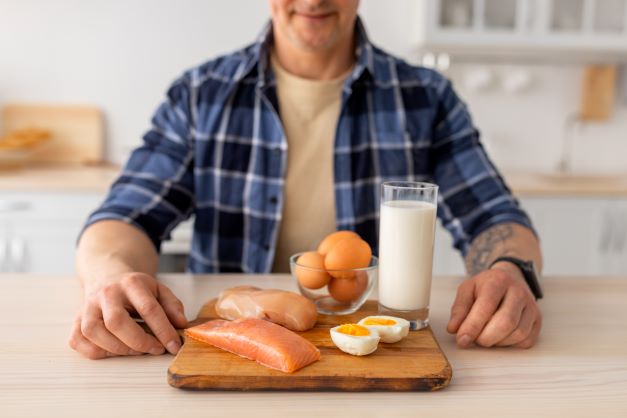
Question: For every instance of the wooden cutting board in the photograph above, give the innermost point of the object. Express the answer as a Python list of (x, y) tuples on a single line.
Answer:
[(77, 132), (598, 93), (416, 363)]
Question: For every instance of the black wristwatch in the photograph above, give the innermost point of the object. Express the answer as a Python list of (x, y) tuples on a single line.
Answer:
[(528, 271)]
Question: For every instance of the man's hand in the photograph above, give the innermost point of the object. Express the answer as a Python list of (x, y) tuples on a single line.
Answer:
[(105, 328), (495, 308)]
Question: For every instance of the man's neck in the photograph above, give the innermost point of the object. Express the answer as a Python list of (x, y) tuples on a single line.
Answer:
[(315, 65)]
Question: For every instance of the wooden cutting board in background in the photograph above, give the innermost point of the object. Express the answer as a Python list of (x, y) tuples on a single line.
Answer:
[(77, 131), (598, 93), (416, 363)]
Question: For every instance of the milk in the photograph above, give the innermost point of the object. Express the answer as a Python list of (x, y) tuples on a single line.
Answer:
[(406, 235)]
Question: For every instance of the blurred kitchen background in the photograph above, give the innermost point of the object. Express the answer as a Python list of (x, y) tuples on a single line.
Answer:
[(545, 80)]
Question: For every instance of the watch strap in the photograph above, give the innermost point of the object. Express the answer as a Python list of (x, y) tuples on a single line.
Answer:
[(528, 271)]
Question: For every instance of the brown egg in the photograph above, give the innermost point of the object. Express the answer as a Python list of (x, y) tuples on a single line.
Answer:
[(332, 239), (348, 290), (308, 277), (349, 253)]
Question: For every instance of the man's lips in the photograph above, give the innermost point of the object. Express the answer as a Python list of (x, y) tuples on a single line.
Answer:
[(314, 16)]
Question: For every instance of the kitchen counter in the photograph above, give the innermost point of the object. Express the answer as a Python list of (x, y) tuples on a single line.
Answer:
[(567, 185), (56, 178), (578, 368), (99, 178)]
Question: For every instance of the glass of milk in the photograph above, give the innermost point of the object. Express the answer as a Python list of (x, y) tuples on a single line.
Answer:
[(406, 235)]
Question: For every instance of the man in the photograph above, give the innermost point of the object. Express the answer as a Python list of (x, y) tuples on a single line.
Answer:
[(275, 146)]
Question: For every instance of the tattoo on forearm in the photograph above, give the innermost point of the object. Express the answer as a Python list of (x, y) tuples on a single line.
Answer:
[(489, 245)]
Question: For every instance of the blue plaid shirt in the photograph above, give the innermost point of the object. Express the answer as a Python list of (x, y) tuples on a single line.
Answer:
[(217, 150)]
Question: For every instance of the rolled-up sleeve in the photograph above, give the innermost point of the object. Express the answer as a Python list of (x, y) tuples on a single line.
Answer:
[(473, 195), (155, 190)]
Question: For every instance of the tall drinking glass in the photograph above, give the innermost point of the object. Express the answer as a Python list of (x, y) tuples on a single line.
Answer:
[(406, 236)]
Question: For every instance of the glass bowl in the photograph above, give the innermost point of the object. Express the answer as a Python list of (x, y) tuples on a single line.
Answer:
[(349, 288)]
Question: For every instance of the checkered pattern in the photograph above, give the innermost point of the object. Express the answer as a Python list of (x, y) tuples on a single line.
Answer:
[(217, 150)]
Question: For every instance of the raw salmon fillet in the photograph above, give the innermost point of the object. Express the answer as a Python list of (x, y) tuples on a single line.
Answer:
[(267, 343)]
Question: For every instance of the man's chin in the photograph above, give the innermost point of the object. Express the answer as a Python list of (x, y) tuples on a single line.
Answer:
[(315, 42)]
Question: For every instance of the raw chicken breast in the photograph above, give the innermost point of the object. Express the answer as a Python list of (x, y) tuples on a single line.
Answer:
[(268, 344), (289, 309)]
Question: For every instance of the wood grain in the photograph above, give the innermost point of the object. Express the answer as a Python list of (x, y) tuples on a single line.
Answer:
[(414, 364), (77, 131)]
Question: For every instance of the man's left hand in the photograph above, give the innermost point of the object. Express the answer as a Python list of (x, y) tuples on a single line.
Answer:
[(495, 308)]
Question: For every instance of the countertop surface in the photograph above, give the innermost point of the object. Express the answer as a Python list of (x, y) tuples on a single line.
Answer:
[(567, 185), (578, 368), (99, 179), (55, 178)]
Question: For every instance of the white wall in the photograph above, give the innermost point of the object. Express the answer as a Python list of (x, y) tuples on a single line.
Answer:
[(118, 54), (121, 55), (527, 130)]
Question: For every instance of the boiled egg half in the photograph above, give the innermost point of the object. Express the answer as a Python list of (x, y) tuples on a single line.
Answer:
[(355, 339), (389, 328)]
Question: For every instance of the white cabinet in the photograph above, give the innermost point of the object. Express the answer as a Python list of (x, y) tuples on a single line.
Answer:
[(38, 231), (591, 29), (579, 237), (612, 259), (572, 233)]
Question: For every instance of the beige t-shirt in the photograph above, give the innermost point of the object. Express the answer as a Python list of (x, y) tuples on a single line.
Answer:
[(309, 110)]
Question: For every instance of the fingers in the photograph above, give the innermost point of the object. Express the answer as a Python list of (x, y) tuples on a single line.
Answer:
[(146, 304), (105, 327), (506, 320), (522, 331), (119, 322), (93, 328), (172, 306), (461, 306), (487, 301), (83, 346), (533, 335)]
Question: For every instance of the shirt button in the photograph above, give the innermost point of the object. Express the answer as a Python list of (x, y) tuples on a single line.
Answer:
[(277, 150), (266, 247), (274, 200)]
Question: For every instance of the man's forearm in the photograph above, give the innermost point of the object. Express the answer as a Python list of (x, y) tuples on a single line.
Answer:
[(108, 249), (509, 239)]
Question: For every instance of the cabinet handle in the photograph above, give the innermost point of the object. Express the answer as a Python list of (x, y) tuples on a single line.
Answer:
[(621, 228), (3, 256), (13, 206), (17, 252), (606, 234)]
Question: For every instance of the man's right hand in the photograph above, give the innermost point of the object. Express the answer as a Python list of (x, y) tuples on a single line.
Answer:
[(104, 326)]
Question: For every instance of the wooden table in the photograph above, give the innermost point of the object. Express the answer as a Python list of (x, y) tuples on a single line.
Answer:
[(579, 367)]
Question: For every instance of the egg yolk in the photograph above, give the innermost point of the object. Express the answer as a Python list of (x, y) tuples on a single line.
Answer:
[(353, 329), (379, 321)]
